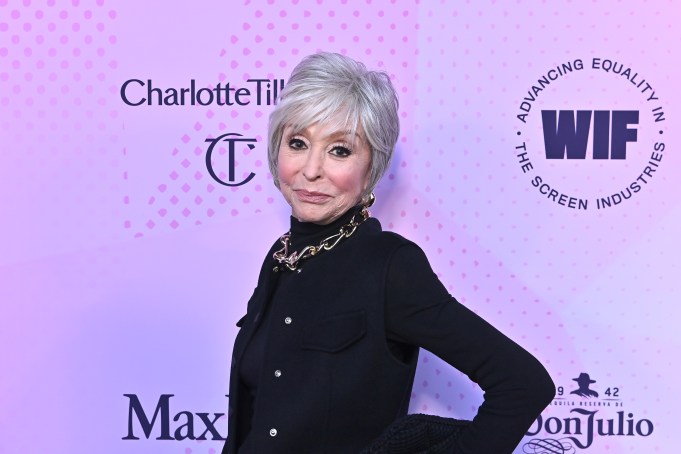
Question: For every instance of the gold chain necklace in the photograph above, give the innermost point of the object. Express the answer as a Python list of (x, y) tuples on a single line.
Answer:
[(291, 261)]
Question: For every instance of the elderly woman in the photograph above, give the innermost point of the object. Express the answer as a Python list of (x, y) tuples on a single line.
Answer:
[(327, 351)]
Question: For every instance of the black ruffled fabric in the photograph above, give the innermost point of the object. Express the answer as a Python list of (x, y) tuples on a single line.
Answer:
[(418, 434)]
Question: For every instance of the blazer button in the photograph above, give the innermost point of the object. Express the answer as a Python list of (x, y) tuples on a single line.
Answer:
[(273, 432), (277, 373), (288, 320)]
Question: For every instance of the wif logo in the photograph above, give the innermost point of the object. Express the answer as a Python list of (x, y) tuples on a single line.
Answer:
[(566, 135), (583, 150)]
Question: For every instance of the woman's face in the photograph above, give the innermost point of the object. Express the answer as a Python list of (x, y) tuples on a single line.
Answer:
[(322, 171)]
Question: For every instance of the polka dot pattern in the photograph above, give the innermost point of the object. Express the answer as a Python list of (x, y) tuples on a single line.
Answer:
[(59, 124), (560, 283), (585, 292), (245, 55)]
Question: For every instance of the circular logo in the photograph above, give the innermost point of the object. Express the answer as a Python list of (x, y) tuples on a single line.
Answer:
[(590, 134)]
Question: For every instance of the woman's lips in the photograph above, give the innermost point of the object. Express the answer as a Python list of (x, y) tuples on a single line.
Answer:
[(311, 197)]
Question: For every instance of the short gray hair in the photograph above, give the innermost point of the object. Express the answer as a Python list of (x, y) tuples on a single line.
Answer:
[(326, 87)]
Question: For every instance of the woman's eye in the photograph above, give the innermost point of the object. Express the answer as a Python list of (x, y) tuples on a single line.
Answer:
[(296, 144), (341, 152)]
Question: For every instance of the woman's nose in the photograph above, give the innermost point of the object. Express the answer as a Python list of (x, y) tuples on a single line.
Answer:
[(314, 165)]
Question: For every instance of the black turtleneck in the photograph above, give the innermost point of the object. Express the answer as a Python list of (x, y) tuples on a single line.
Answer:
[(420, 312), (308, 233), (302, 234)]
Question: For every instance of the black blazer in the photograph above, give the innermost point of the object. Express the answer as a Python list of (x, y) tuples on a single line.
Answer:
[(338, 386), (329, 382)]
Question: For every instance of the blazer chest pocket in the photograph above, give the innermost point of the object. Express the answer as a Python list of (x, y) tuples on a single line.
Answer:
[(335, 333)]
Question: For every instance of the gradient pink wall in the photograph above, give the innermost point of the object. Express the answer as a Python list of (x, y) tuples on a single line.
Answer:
[(124, 265)]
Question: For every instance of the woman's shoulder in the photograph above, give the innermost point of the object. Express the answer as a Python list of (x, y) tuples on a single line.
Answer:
[(385, 238), (377, 227)]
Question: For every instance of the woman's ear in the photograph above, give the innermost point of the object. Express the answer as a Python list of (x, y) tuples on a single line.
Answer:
[(365, 186)]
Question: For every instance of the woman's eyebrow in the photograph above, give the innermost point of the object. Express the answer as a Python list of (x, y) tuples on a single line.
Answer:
[(334, 135), (343, 134)]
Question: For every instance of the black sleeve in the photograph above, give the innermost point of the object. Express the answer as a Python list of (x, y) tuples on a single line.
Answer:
[(420, 311)]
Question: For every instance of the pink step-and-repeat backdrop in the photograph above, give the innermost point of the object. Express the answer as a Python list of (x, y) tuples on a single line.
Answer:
[(537, 167)]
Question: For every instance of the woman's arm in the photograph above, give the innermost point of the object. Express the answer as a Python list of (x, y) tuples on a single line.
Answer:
[(420, 311)]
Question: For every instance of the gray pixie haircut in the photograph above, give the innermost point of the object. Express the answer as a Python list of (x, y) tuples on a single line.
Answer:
[(334, 89)]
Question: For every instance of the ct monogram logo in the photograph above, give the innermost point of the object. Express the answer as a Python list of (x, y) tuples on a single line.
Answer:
[(590, 134), (232, 139)]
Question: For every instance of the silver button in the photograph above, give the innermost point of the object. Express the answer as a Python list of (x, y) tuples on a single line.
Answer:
[(277, 373), (273, 432), (288, 320)]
